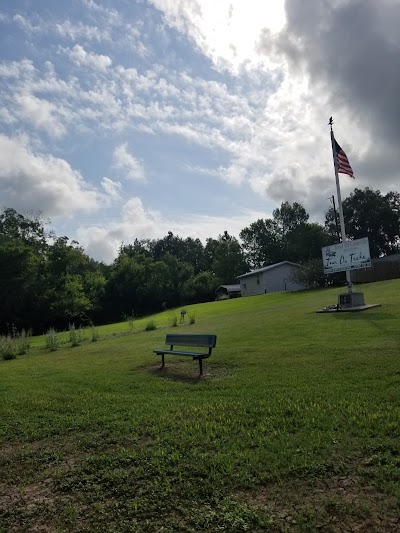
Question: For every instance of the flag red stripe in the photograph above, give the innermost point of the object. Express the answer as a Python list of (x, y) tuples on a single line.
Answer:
[(343, 164)]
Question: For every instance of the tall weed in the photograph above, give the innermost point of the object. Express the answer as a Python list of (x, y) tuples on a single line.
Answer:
[(173, 320), (52, 340), (7, 348), (151, 325), (95, 333), (75, 335), (15, 343), (130, 320)]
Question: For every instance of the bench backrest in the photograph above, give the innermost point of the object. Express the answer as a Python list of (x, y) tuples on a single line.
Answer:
[(191, 340)]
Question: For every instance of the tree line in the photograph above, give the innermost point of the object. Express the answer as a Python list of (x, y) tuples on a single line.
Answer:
[(49, 281)]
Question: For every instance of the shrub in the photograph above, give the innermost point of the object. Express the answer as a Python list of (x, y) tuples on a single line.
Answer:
[(7, 348), (75, 335), (52, 340), (130, 320), (311, 275), (173, 319), (192, 317), (14, 344), (95, 334), (22, 341), (151, 325)]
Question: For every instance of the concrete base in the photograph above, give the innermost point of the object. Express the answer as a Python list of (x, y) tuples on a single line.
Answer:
[(350, 300), (336, 309)]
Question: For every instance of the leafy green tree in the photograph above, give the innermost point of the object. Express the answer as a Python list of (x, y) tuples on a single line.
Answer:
[(289, 217), (139, 247), (312, 275), (288, 236), (27, 229), (72, 283), (368, 213), (20, 296), (200, 288), (153, 286), (179, 272), (227, 258), (262, 243), (139, 285), (188, 250), (305, 241)]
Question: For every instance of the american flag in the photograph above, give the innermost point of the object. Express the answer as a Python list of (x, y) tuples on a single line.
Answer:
[(343, 164)]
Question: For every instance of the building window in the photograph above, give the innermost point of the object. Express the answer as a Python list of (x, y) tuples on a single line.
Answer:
[(258, 280), (244, 286)]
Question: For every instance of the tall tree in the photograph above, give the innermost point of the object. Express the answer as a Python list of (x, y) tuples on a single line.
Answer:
[(28, 229), (368, 213), (261, 242), (188, 250), (20, 288), (226, 257), (72, 282), (288, 236), (289, 217)]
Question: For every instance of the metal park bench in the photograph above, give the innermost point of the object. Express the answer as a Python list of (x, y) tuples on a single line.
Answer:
[(200, 341)]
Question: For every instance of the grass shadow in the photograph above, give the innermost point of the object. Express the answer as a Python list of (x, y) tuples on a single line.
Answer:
[(187, 372)]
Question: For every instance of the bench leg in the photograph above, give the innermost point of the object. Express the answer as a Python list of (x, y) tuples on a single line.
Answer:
[(201, 366), (162, 360)]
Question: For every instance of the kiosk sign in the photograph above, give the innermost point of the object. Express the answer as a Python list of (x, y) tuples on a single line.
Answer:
[(349, 255)]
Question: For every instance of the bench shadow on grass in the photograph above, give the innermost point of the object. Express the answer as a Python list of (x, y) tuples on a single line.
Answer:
[(188, 372)]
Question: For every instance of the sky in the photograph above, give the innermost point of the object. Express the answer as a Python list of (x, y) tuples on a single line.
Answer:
[(127, 119)]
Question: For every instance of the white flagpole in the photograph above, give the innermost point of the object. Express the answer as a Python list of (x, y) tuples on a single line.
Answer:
[(340, 208)]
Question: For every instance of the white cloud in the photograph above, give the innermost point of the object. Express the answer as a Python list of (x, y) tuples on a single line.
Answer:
[(6, 116), (225, 31), (40, 113), (65, 29), (24, 23), (111, 188), (261, 134), (16, 69), (73, 32), (89, 59), (131, 168), (35, 180), (102, 241)]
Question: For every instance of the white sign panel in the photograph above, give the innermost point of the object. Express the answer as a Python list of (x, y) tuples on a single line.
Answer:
[(348, 255)]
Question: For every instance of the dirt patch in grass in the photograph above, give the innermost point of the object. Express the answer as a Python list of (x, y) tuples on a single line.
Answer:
[(338, 504), (30, 495), (188, 371), (28, 508)]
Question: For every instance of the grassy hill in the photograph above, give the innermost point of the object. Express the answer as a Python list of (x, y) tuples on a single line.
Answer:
[(293, 427)]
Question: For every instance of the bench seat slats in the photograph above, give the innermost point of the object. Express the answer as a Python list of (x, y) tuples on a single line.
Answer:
[(177, 352)]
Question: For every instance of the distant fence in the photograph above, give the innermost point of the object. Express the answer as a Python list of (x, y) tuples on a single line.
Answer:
[(383, 268)]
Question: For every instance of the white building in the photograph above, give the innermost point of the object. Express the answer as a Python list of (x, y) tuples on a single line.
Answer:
[(271, 278)]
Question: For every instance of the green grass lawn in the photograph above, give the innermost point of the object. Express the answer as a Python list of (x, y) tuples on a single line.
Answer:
[(294, 426)]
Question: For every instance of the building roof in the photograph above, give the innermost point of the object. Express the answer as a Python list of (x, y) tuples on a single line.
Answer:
[(388, 258), (270, 267), (229, 288)]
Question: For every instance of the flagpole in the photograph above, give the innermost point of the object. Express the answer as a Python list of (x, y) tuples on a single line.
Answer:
[(339, 197)]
